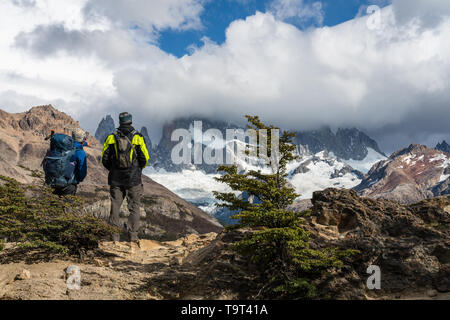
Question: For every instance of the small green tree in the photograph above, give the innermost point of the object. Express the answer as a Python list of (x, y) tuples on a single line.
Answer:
[(277, 243)]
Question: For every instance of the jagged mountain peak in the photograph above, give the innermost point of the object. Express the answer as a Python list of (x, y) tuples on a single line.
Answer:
[(105, 128), (443, 146), (347, 143)]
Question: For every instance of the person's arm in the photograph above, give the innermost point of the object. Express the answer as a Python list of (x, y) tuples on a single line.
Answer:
[(81, 170), (141, 151), (107, 153)]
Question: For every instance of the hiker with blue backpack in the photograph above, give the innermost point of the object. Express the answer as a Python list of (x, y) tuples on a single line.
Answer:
[(125, 155), (65, 163)]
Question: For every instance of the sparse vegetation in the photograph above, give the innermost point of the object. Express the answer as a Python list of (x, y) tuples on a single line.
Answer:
[(36, 219), (147, 201), (278, 242)]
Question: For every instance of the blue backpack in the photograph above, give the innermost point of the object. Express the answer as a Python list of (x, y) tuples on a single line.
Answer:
[(58, 168)]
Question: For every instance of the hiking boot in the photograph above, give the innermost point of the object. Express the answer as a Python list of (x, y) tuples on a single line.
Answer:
[(115, 237)]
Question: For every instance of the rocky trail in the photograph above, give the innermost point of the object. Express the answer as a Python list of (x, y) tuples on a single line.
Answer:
[(119, 270), (193, 267)]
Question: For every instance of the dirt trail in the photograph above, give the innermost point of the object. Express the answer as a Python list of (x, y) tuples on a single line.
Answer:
[(119, 270)]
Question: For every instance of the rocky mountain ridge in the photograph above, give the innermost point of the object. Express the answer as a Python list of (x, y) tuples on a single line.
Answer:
[(409, 175)]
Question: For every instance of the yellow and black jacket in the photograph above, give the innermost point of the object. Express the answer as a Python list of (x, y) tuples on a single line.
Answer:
[(139, 156)]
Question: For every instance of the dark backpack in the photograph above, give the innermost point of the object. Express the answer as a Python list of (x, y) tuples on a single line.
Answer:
[(125, 146), (58, 168)]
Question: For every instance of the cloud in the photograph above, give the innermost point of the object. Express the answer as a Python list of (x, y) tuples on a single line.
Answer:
[(24, 3), (346, 75), (116, 47), (298, 12), (149, 15), (428, 13)]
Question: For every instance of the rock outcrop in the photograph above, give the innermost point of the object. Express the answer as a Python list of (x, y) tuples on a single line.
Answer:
[(147, 140), (410, 243), (409, 175), (443, 146), (23, 146)]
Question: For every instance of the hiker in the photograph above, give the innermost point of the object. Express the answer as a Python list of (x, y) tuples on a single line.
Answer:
[(125, 155), (65, 163)]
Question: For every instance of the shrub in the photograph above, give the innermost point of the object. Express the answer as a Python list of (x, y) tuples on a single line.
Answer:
[(36, 219)]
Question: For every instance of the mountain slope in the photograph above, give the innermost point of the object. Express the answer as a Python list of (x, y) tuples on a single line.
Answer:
[(22, 146), (409, 175)]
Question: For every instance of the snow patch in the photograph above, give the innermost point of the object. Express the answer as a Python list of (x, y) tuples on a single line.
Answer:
[(192, 185), (368, 162), (319, 176)]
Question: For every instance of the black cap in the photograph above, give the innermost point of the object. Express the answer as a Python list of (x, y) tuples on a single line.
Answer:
[(125, 118)]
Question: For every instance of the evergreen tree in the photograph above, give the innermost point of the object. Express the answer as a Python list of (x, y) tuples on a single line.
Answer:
[(277, 243)]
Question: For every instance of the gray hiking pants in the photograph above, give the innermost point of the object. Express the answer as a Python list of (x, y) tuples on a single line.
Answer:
[(133, 196)]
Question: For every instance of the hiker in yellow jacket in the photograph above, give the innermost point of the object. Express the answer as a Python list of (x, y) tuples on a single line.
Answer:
[(125, 155)]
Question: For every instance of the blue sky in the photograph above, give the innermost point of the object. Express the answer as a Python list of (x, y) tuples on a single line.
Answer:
[(218, 14)]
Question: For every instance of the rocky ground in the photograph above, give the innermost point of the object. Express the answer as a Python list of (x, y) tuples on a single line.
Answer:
[(118, 270), (410, 244)]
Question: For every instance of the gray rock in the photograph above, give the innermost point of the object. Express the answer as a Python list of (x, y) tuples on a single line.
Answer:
[(443, 146), (24, 275), (105, 128)]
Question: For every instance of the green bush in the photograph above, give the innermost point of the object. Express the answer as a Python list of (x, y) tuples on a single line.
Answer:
[(278, 243), (36, 219)]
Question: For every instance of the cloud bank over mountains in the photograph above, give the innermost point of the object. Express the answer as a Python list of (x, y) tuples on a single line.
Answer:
[(95, 57)]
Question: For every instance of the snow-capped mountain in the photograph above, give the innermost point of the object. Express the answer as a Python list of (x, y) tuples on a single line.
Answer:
[(338, 160), (162, 154), (353, 146)]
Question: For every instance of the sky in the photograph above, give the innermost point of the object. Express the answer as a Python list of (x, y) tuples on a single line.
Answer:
[(379, 65)]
